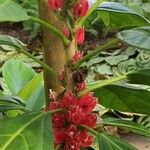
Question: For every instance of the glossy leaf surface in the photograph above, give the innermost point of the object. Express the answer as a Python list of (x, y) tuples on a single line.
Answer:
[(16, 74)]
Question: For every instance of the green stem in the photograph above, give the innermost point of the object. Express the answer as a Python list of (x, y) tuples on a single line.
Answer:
[(102, 84), (45, 66), (51, 29), (111, 43), (89, 129), (56, 110), (80, 23)]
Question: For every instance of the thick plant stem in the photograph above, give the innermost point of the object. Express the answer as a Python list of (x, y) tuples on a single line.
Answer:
[(70, 51), (102, 84), (53, 49), (56, 53), (111, 43)]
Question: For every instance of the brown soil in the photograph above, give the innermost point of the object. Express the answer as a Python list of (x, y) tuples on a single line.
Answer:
[(16, 30)]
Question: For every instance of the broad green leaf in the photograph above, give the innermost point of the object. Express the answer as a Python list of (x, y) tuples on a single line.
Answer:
[(16, 74), (11, 41), (11, 11), (140, 77), (129, 125), (108, 142), (138, 37), (33, 93), (31, 131), (118, 16), (127, 99)]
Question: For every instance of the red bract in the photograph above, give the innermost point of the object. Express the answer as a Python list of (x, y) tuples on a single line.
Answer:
[(80, 8), (55, 4), (89, 120), (74, 115), (71, 131), (59, 136), (85, 139), (77, 56), (87, 103), (58, 120), (79, 35), (72, 145), (68, 100)]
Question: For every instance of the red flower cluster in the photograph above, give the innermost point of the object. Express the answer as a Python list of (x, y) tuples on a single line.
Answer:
[(66, 126)]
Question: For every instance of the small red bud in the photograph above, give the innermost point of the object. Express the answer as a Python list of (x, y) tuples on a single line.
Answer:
[(80, 8), (81, 86), (77, 56), (79, 35), (55, 4)]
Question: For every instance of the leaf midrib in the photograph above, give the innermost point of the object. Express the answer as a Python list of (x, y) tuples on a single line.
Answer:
[(5, 145)]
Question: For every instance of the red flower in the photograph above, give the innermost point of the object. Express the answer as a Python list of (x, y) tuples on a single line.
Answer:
[(72, 145), (81, 86), (58, 120), (59, 136), (79, 35), (68, 100), (74, 115), (55, 4), (80, 8), (89, 120), (85, 139), (71, 131), (77, 56), (87, 103), (65, 31)]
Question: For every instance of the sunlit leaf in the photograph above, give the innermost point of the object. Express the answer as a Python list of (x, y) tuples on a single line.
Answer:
[(16, 74)]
